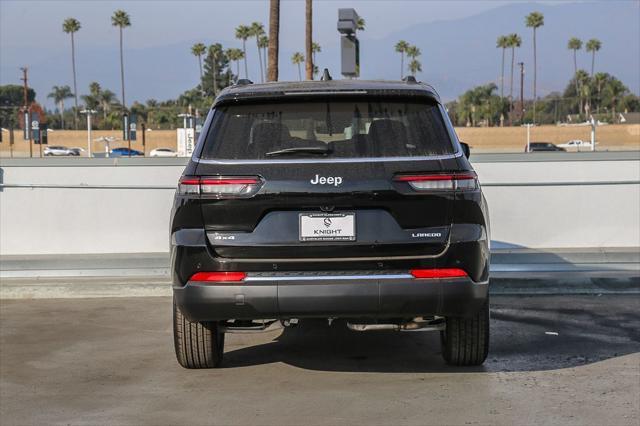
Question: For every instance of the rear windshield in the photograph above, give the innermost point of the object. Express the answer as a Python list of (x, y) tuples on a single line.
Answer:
[(317, 129)]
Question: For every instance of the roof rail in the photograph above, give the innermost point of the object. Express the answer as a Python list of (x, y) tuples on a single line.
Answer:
[(325, 75), (410, 79), (243, 82)]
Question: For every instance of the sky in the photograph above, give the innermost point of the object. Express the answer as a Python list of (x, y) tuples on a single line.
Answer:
[(162, 32), (157, 23)]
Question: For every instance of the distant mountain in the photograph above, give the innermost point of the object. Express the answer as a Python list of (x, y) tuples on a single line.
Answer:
[(456, 54)]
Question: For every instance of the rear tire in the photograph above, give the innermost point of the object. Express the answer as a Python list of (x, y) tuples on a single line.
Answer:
[(197, 344), (465, 341)]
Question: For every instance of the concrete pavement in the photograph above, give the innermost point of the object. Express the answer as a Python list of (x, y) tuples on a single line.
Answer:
[(111, 361)]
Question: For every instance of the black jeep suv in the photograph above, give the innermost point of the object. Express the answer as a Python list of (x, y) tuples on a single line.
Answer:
[(329, 199)]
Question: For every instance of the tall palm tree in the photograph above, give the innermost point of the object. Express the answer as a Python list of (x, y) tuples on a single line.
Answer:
[(121, 20), (514, 41), (297, 59), (263, 44), (415, 66), (502, 43), (575, 44), (257, 30), (72, 26), (198, 50), (308, 39), (593, 46), (535, 20), (243, 32), (401, 48), (274, 44), (59, 94), (106, 98), (235, 55)]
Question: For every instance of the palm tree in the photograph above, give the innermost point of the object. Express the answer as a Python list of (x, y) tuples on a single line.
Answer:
[(198, 50), (215, 50), (599, 79), (274, 33), (415, 66), (593, 46), (514, 41), (315, 48), (297, 59), (243, 33), (72, 26), (235, 55), (308, 39), (263, 44), (360, 24), (121, 20), (106, 98), (413, 52), (535, 20), (401, 48), (59, 94), (502, 43), (575, 44), (257, 30)]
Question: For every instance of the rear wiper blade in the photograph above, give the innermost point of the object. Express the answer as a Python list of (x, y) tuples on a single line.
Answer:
[(301, 149)]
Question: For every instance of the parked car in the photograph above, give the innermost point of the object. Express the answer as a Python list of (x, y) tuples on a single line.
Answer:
[(124, 152), (542, 146), (576, 145), (329, 199), (77, 150), (163, 152), (58, 151)]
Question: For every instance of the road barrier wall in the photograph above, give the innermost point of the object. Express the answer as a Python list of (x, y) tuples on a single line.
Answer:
[(93, 206)]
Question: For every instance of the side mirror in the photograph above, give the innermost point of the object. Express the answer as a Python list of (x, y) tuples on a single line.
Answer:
[(465, 149)]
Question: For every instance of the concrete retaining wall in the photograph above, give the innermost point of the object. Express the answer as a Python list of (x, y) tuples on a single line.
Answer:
[(58, 206)]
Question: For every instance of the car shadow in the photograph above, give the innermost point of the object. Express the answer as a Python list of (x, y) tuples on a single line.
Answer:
[(527, 334)]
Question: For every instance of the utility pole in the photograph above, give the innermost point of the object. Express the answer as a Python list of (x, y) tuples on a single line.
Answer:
[(521, 91), (89, 113), (27, 116)]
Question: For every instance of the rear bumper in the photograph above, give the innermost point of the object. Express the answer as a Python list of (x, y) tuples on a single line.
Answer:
[(308, 296)]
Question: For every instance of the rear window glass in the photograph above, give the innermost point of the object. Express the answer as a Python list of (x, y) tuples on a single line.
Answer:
[(317, 129)]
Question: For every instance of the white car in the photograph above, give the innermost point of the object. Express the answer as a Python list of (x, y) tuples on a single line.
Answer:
[(58, 151), (577, 144), (163, 152)]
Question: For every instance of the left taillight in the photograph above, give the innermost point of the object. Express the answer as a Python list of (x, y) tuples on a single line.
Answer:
[(220, 186)]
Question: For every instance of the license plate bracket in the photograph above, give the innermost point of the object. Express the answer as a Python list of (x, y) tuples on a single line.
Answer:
[(327, 226)]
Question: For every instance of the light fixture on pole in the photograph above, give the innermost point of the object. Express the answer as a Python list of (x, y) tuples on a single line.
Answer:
[(89, 113)]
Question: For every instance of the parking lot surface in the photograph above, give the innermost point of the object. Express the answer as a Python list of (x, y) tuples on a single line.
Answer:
[(553, 360)]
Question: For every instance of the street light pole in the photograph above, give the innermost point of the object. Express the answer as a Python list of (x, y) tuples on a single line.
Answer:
[(89, 113)]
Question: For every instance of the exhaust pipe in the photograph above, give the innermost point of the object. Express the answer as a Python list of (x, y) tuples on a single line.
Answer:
[(417, 324)]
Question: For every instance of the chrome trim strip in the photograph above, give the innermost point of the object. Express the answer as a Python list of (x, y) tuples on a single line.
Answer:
[(330, 277), (332, 160)]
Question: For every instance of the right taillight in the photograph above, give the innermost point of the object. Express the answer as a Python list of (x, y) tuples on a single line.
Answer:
[(220, 186), (441, 181)]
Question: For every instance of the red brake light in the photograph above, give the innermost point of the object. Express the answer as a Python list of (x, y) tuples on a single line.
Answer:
[(439, 273), (220, 186), (218, 276), (444, 181)]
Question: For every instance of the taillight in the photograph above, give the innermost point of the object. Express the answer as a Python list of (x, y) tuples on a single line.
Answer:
[(440, 182), (218, 276), (439, 273), (220, 186)]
